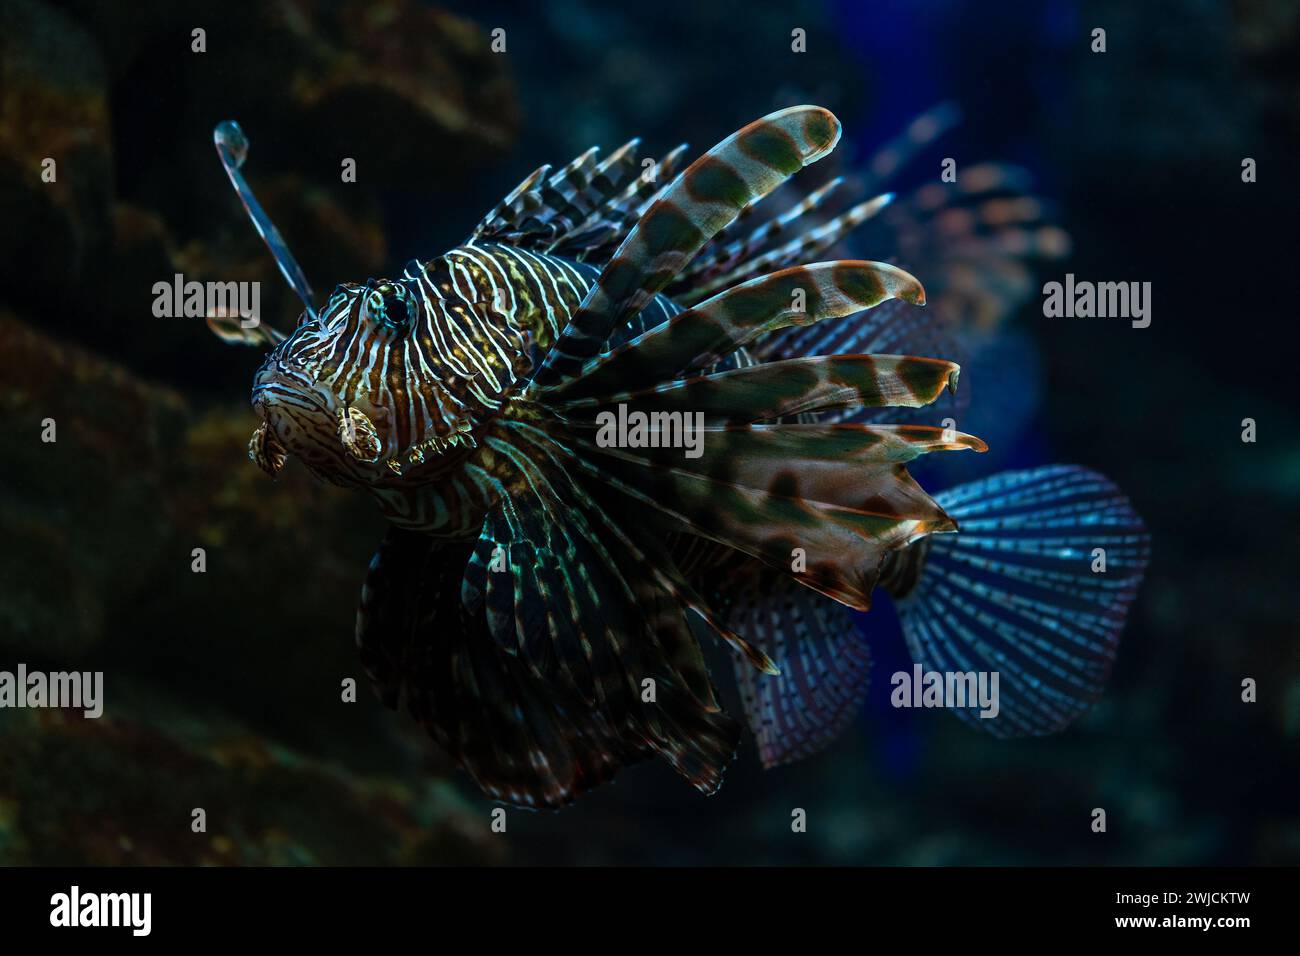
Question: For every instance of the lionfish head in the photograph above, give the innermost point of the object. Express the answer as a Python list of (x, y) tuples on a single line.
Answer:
[(370, 389), (357, 392)]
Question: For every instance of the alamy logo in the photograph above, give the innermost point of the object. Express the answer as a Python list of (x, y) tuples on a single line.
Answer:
[(103, 909), (1102, 300), (198, 300), (75, 690), (637, 429), (952, 689)]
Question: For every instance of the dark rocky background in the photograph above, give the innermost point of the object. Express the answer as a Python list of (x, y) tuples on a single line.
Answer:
[(223, 688)]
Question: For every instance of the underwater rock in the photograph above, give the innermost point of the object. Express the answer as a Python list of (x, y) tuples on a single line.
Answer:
[(102, 521), (1268, 34), (128, 790), (55, 157), (396, 60), (120, 96), (100, 572), (68, 554)]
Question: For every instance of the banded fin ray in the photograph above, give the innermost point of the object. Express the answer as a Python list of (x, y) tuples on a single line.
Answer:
[(521, 740), (799, 249), (838, 492), (583, 502), (743, 260), (707, 196), (698, 337), (565, 613), (890, 328), (606, 229), (583, 210), (577, 609), (509, 211), (794, 386), (719, 256)]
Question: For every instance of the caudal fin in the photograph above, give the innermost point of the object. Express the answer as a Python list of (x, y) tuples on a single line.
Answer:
[(1036, 586)]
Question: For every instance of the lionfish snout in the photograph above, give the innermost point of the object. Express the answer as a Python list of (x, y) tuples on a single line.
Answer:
[(299, 417)]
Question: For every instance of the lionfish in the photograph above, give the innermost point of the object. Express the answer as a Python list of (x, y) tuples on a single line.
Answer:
[(532, 604)]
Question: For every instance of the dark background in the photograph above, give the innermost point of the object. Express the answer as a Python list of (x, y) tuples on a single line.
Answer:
[(223, 688)]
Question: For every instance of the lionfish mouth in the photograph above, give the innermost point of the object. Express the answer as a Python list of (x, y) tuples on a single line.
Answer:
[(340, 440), (295, 414)]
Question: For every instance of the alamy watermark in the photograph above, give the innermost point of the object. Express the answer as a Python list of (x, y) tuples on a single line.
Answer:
[(1102, 300), (75, 908), (951, 689), (637, 429), (76, 690), (199, 300)]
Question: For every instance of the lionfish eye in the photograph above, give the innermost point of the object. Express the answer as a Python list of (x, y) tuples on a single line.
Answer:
[(387, 305)]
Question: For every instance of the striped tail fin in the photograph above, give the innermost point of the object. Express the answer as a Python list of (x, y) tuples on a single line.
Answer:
[(1036, 586)]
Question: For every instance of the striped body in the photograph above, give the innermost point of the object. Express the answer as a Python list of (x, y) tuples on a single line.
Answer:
[(426, 362)]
